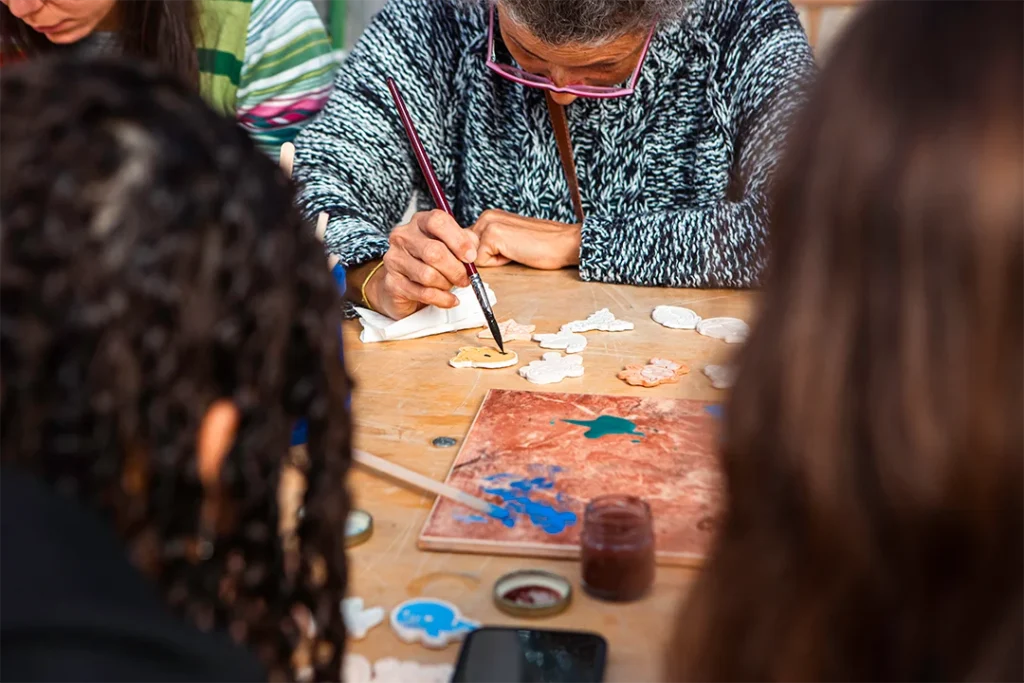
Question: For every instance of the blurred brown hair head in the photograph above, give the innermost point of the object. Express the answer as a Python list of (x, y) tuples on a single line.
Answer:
[(873, 448)]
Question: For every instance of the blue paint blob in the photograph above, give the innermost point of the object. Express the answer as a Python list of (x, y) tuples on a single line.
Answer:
[(435, 618), (499, 512), (471, 519), (636, 440), (715, 410), (606, 425), (552, 422), (516, 496)]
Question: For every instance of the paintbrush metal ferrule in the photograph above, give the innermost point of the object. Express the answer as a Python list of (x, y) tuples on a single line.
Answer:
[(485, 306)]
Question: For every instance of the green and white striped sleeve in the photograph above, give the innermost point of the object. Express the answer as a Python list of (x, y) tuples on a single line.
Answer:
[(287, 74)]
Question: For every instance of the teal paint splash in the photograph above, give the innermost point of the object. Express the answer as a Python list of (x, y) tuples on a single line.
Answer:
[(606, 425), (519, 495)]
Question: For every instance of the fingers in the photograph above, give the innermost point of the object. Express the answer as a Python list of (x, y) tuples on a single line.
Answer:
[(397, 286), (493, 247), (492, 251), (486, 259), (439, 225), (434, 256), (399, 260)]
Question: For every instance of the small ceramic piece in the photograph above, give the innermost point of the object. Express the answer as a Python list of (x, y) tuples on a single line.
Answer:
[(510, 331), (603, 320), (483, 357), (391, 670), (658, 371), (721, 376), (552, 367), (357, 669), (729, 330), (359, 621), (563, 339), (675, 317), (435, 623)]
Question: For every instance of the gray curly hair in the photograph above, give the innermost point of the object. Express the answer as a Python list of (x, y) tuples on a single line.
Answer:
[(559, 22)]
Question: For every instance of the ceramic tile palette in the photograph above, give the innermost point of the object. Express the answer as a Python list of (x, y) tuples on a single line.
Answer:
[(542, 456)]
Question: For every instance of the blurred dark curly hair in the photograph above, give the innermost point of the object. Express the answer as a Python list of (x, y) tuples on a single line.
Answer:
[(152, 263)]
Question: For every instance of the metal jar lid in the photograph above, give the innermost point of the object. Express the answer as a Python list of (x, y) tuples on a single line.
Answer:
[(358, 528), (532, 593)]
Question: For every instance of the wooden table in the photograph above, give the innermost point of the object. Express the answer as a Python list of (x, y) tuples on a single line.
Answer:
[(406, 395)]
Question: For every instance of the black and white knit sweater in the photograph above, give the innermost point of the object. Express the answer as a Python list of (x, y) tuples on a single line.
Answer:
[(673, 177)]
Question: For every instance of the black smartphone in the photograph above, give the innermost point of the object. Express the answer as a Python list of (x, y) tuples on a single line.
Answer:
[(526, 655)]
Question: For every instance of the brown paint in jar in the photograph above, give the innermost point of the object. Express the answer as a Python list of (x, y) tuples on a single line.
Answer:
[(617, 544)]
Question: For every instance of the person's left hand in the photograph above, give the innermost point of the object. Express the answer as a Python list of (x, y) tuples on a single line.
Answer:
[(506, 237)]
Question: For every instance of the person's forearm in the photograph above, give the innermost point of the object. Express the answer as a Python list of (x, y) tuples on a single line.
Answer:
[(722, 246)]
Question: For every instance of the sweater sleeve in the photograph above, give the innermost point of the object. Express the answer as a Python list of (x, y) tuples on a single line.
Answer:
[(355, 162), (287, 72), (763, 68)]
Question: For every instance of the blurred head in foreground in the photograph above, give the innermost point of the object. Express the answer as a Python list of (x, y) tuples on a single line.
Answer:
[(873, 446), (166, 317)]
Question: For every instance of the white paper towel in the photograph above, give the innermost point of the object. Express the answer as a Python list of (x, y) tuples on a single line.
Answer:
[(426, 321)]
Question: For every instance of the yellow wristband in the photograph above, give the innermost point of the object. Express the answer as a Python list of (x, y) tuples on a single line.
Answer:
[(362, 290)]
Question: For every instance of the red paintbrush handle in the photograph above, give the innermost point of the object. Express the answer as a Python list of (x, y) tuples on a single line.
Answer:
[(422, 159), (417, 149)]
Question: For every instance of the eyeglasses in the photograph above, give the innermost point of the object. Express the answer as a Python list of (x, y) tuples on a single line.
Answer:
[(517, 75)]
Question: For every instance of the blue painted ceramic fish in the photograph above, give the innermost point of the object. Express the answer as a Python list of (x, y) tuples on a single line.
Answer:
[(433, 622)]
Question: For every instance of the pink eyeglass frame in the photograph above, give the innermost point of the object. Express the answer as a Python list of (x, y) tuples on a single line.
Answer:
[(517, 75)]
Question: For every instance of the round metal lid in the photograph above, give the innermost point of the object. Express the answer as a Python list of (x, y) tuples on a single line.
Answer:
[(532, 593), (358, 527)]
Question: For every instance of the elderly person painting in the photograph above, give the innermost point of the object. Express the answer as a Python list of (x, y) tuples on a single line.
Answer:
[(677, 110)]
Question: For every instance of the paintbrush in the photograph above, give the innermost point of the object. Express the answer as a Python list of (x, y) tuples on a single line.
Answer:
[(425, 483), (287, 160), (442, 203)]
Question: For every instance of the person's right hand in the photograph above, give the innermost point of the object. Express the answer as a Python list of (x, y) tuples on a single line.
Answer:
[(425, 260)]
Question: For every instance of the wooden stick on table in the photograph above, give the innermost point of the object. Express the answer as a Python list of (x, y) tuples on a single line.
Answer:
[(425, 483)]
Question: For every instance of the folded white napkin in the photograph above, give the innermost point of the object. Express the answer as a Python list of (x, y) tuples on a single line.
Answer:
[(426, 321)]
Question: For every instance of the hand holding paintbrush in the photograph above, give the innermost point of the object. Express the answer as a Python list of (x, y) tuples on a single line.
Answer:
[(442, 203)]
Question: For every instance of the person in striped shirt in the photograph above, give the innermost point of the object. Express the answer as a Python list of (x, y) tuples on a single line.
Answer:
[(267, 63)]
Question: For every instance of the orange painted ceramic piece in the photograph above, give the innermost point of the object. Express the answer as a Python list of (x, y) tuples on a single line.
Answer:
[(510, 331), (658, 371)]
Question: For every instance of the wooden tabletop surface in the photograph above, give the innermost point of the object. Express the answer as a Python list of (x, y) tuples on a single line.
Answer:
[(406, 395)]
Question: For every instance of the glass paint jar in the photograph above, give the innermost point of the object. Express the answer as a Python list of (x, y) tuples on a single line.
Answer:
[(617, 545)]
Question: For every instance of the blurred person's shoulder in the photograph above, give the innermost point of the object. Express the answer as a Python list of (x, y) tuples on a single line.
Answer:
[(74, 607)]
